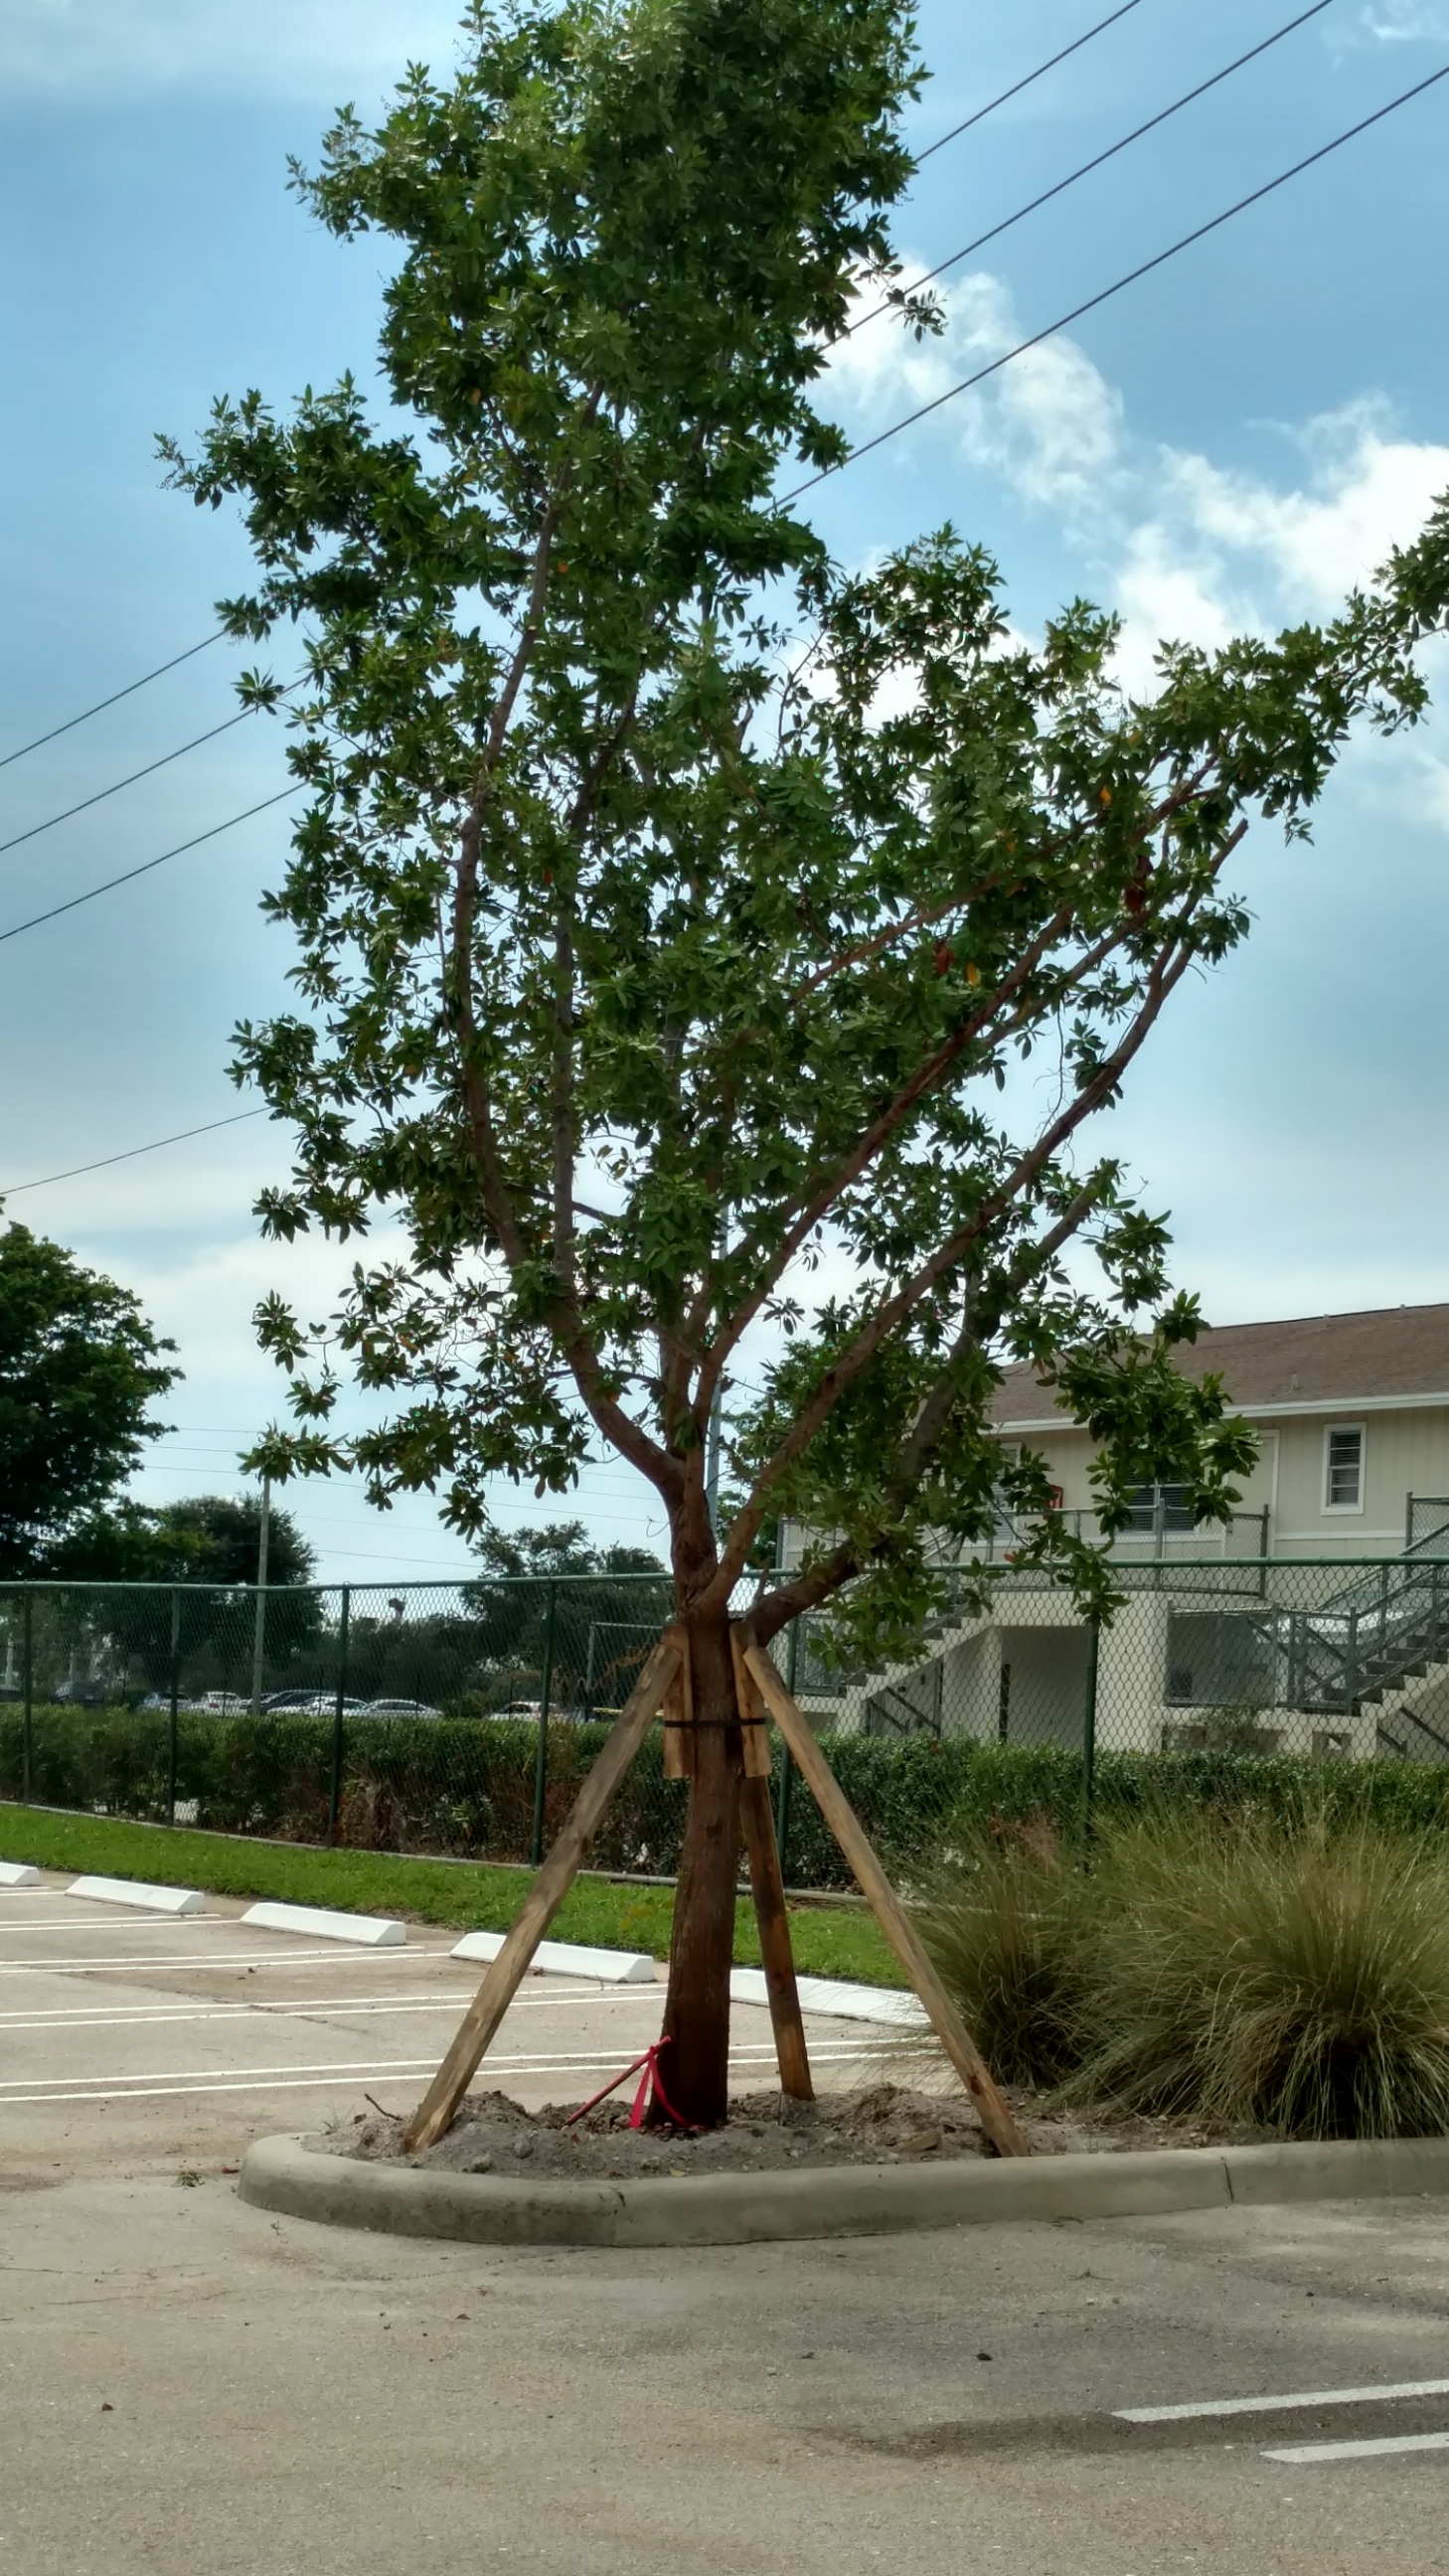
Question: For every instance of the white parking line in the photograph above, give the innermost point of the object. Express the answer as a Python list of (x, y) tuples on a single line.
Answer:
[(254, 1958), (1307, 2454), (23, 2086), (63, 1925), (297, 2008), (335, 2073), (1278, 2405)]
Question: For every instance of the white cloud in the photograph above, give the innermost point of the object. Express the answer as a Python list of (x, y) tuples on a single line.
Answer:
[(1184, 548), (1366, 491), (1406, 21), (1049, 424), (291, 48)]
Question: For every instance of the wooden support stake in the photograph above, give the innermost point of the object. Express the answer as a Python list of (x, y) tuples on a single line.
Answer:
[(775, 1951), (678, 1712), (438, 2108), (754, 1733), (768, 1887), (996, 2119)]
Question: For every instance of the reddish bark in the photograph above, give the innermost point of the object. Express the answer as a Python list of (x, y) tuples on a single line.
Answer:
[(695, 2067)]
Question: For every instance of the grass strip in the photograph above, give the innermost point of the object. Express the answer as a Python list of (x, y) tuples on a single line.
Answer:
[(468, 1896)]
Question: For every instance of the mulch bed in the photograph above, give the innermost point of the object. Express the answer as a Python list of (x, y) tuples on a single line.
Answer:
[(885, 2124)]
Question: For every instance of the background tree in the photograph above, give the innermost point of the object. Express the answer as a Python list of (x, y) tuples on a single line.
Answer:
[(214, 1538), (675, 914), (601, 1622), (208, 1544), (80, 1369)]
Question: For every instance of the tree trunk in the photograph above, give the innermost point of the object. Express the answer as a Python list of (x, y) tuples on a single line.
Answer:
[(695, 2066)]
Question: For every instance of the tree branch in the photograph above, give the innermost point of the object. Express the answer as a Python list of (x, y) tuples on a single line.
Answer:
[(1172, 963)]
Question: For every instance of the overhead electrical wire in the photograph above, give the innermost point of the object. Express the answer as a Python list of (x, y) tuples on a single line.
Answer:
[(127, 874), (1017, 87), (114, 699), (14, 1189), (1104, 294), (116, 786), (1174, 108)]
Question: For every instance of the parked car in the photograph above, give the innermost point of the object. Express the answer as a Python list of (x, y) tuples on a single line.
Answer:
[(400, 1708), (312, 1704)]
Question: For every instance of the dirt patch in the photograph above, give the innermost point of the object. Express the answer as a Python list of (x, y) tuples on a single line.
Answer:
[(888, 2124)]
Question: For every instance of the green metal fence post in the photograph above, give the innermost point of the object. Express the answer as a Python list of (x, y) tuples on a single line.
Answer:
[(334, 1797), (175, 1695), (540, 1759), (1089, 1733), (27, 1724)]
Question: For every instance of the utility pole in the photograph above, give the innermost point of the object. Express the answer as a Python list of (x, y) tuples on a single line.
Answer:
[(259, 1636)]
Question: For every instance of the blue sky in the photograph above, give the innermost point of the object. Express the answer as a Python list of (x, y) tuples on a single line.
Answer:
[(1226, 445)]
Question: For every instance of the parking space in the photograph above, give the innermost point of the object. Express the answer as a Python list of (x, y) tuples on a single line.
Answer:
[(131, 2038)]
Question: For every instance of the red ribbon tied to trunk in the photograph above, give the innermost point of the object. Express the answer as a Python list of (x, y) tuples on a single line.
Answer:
[(649, 2089)]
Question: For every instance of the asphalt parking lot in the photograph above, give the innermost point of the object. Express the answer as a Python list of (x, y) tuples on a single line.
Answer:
[(187, 2384), (131, 2040)]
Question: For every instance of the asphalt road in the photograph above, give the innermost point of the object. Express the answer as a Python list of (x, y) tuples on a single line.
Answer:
[(189, 2385)]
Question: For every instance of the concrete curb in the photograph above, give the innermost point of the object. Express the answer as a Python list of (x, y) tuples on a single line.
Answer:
[(135, 1891), (320, 1923), (567, 1959), (18, 1873), (894, 2006), (842, 2200)]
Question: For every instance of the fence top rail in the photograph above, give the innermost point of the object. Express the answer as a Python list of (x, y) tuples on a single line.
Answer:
[(990, 1574), (439, 1583)]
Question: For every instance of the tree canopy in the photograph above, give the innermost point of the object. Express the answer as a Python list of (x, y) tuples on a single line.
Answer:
[(684, 922), (80, 1369), (214, 1538)]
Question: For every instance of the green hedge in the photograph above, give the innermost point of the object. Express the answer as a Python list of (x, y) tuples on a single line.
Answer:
[(464, 1786)]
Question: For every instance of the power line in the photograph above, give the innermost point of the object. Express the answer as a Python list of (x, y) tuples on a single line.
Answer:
[(107, 883), (1175, 108), (1017, 87), (15, 1188), (102, 793), (1064, 320), (114, 699)]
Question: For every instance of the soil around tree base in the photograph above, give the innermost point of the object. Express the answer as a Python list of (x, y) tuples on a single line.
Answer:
[(766, 2133)]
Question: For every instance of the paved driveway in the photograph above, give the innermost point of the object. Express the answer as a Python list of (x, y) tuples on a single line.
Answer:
[(188, 2385)]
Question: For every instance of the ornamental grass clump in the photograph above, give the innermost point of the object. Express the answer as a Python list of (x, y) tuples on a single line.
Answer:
[(1247, 1977), (1006, 1925)]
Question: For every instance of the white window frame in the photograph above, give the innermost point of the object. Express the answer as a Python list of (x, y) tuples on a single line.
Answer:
[(1335, 1511)]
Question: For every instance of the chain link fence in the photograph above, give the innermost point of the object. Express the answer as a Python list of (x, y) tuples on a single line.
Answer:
[(460, 1719)]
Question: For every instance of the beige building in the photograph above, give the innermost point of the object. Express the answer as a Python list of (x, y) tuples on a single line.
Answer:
[(1264, 1635), (1352, 1417)]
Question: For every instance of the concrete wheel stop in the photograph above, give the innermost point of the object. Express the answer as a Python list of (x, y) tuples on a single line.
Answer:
[(286, 2175)]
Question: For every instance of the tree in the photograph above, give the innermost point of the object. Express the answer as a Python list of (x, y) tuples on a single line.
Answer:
[(599, 1621), (214, 1538), (206, 1543), (80, 1367), (674, 911)]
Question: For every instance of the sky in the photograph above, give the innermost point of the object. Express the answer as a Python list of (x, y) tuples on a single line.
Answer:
[(1225, 446)]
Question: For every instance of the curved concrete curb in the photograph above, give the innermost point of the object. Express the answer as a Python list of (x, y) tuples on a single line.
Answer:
[(842, 2200)]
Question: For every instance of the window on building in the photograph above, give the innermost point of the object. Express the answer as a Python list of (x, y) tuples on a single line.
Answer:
[(1343, 1468), (1160, 1507)]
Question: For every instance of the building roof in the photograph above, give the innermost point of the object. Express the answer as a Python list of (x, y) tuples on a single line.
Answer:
[(1389, 1355)]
